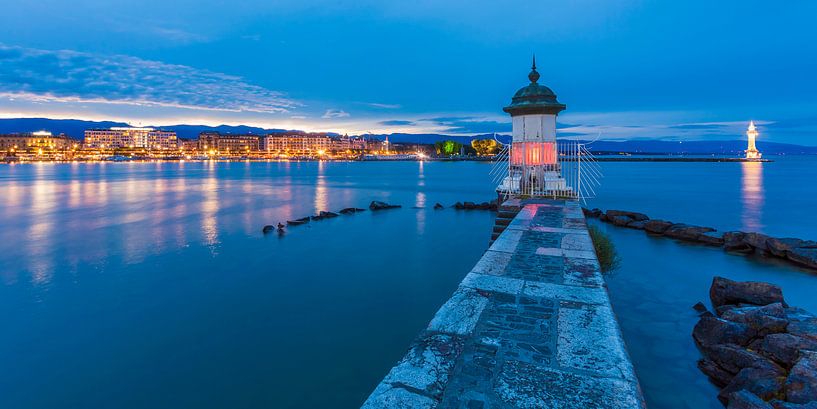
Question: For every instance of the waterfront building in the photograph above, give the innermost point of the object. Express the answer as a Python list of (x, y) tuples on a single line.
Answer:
[(40, 140), (188, 145), (129, 137), (534, 168), (227, 143), (751, 150), (310, 144)]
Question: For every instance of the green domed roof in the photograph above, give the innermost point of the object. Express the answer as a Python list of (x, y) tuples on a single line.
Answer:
[(534, 98)]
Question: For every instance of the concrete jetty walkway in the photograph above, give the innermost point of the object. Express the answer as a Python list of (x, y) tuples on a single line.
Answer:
[(530, 326)]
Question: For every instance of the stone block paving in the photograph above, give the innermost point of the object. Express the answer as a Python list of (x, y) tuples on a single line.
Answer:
[(531, 326)]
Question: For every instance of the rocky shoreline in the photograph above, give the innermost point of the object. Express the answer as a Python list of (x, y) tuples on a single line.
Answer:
[(373, 206), (796, 251), (758, 349)]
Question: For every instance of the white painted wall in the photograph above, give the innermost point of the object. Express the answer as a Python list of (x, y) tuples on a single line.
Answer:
[(534, 128)]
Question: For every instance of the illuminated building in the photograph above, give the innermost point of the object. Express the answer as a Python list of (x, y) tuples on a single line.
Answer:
[(534, 168), (307, 144), (226, 143), (35, 141), (751, 150), (127, 137)]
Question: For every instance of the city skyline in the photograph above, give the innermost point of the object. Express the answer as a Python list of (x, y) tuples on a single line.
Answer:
[(626, 71)]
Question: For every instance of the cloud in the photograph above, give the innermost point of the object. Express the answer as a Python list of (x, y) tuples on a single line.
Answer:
[(71, 76), (470, 124), (383, 106), (335, 113), (396, 122)]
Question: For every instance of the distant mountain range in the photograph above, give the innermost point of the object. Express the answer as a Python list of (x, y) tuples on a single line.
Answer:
[(75, 128)]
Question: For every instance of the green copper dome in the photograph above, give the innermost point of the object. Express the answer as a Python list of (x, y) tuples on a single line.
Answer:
[(534, 98)]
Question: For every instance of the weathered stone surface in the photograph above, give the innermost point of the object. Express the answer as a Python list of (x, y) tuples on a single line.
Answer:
[(757, 241), (784, 348), (711, 238), (685, 232), (594, 213), (724, 291), (619, 220), (710, 331), (747, 400), (801, 385), (768, 319), (522, 385), (377, 205), (657, 226), (734, 358), (804, 256), (460, 313), (733, 241), (350, 210), (423, 373), (763, 382), (780, 246), (699, 307), (531, 326), (801, 323), (638, 224), (719, 376), (779, 404), (631, 215)]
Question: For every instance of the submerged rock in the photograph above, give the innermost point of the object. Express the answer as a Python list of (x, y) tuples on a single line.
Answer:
[(631, 215), (685, 232), (805, 256), (438, 206), (779, 247), (350, 210), (724, 291), (657, 226), (376, 205), (699, 307), (712, 238), (733, 241)]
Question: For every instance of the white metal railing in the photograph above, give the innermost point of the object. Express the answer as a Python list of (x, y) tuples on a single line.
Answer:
[(564, 170)]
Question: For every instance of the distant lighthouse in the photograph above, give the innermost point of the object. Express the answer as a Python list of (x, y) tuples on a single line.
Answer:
[(751, 150)]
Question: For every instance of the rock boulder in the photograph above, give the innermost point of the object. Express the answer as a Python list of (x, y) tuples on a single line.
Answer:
[(711, 331), (801, 384), (724, 291)]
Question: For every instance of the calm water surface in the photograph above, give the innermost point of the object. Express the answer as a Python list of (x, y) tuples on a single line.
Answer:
[(150, 285)]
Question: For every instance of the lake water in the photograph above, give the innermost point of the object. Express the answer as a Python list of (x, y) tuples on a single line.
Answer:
[(139, 285)]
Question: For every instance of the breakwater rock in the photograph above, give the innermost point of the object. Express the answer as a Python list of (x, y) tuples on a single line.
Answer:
[(793, 250), (759, 350), (376, 205), (492, 205)]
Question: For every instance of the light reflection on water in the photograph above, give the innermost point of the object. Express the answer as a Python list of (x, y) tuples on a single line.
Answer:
[(126, 283), (752, 196)]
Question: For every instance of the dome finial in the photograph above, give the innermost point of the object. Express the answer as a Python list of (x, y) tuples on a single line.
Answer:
[(533, 76)]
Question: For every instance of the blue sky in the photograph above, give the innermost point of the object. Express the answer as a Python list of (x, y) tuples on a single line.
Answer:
[(626, 69)]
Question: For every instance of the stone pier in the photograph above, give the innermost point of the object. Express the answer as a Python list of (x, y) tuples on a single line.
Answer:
[(530, 326)]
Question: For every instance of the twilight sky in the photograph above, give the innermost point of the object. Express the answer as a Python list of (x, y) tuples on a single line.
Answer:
[(626, 69)]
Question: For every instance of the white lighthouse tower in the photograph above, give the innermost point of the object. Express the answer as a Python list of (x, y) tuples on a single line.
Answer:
[(751, 150), (534, 168)]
